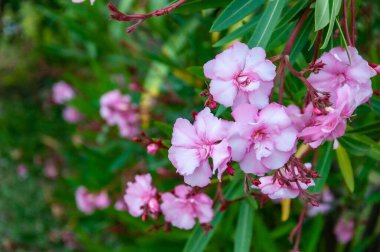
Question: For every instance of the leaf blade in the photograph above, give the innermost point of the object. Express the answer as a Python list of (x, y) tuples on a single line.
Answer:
[(322, 14), (323, 167), (234, 12), (267, 24), (243, 235), (345, 167)]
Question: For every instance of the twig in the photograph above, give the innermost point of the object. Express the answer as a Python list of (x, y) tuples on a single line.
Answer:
[(140, 18), (353, 24), (298, 230), (345, 22)]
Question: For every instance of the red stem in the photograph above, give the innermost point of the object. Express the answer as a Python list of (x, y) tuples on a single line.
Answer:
[(298, 229), (293, 36), (345, 23), (353, 24)]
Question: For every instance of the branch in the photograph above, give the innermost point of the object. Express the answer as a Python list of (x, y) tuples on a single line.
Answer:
[(140, 18)]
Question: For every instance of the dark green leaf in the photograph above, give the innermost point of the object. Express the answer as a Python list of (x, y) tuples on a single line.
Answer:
[(249, 26), (198, 5), (323, 166), (234, 12), (370, 129), (267, 24), (243, 235)]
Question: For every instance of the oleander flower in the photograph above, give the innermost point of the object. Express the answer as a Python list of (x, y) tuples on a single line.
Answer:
[(22, 170), (262, 140), (141, 197), (62, 92), (72, 115), (88, 202), (332, 125), (344, 230), (241, 75), (340, 70), (117, 109), (276, 189), (182, 207), (194, 144)]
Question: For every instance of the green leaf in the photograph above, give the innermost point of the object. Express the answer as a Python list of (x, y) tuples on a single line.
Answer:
[(314, 234), (322, 14), (370, 129), (354, 146), (301, 40), (323, 166), (243, 235), (220, 110), (197, 71), (163, 128), (198, 239), (234, 12), (262, 234), (345, 167), (198, 5), (242, 30), (267, 24), (336, 4)]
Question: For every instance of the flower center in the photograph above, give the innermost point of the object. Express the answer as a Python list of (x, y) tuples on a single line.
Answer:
[(247, 83)]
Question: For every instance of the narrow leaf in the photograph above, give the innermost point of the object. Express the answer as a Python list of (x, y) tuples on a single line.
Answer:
[(322, 14), (267, 24), (198, 240), (234, 12), (345, 167), (250, 25), (243, 235), (334, 12), (323, 166)]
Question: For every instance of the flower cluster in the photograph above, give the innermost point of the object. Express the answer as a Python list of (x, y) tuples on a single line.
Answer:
[(117, 109), (88, 202), (62, 93), (180, 207), (263, 136)]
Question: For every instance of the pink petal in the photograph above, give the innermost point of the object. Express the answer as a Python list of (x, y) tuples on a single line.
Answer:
[(223, 92), (286, 140), (208, 127), (184, 134), (239, 147), (245, 113), (221, 155), (277, 159), (201, 175), (250, 164), (274, 114), (185, 160)]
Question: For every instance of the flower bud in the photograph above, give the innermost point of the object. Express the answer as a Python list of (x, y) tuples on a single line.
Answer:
[(152, 148)]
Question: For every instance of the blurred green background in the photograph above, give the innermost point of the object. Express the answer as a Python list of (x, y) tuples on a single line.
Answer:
[(45, 41)]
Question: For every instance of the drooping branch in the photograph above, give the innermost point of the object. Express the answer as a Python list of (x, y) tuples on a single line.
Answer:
[(140, 18)]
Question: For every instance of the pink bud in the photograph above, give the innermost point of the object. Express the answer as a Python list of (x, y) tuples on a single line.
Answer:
[(152, 148), (212, 105), (314, 203), (153, 205)]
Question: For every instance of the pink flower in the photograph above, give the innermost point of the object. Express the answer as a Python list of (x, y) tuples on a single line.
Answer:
[(324, 206), (344, 230), (81, 1), (240, 75), (152, 148), (193, 145), (262, 140), (338, 72), (50, 169), (141, 196), (300, 118), (117, 109), (22, 170), (83, 199), (276, 189), (332, 125), (62, 92), (120, 205), (88, 202), (101, 200), (182, 207), (72, 115)]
